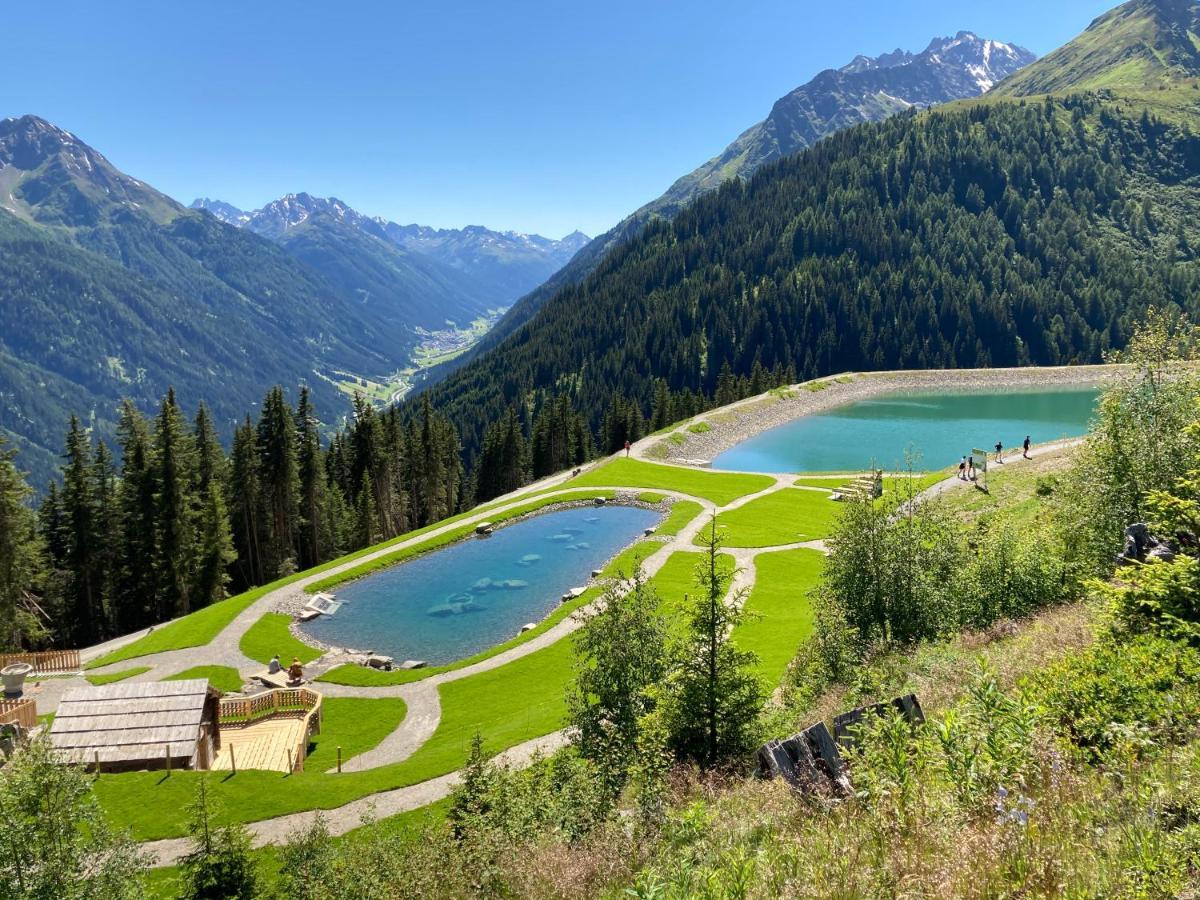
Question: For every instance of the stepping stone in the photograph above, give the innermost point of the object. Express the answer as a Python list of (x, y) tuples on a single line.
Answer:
[(528, 626), (483, 528), (413, 664)]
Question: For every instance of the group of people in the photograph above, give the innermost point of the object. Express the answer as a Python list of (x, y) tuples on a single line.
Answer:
[(966, 467), (295, 671)]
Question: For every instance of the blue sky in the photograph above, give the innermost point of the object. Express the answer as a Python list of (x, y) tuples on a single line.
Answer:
[(534, 116)]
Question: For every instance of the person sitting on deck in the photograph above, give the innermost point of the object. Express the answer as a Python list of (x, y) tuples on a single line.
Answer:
[(274, 665), (295, 672)]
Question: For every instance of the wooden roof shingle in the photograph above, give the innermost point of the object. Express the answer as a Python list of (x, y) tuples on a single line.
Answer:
[(130, 722)]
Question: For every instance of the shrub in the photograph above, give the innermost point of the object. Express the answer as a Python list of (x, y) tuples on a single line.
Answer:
[(1145, 690)]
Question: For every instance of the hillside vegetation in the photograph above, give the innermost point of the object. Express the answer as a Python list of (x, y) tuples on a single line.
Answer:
[(1006, 233)]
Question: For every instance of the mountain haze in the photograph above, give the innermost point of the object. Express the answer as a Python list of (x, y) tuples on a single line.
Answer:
[(496, 266), (867, 89), (112, 289)]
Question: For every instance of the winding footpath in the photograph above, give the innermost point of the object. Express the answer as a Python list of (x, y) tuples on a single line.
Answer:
[(422, 697)]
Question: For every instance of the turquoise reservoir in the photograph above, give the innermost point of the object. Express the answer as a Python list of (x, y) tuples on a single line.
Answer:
[(455, 602), (940, 428)]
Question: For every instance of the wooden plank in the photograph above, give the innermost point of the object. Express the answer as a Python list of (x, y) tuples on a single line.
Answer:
[(74, 708), (128, 720), (119, 737), (147, 689)]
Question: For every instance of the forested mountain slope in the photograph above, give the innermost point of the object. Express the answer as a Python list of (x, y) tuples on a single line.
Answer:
[(996, 234), (867, 89), (110, 289)]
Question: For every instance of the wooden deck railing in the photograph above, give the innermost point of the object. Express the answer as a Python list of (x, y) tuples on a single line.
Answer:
[(20, 712), (292, 702), (45, 662)]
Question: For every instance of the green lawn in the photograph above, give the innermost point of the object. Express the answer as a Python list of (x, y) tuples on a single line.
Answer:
[(719, 487), (270, 635), (779, 614), (509, 705), (677, 578), (362, 676), (116, 676), (682, 513), (355, 724), (789, 516), (223, 678)]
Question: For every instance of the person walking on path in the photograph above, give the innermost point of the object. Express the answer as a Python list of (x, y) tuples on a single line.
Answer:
[(627, 445), (1026, 445), (970, 468), (999, 451), (962, 469)]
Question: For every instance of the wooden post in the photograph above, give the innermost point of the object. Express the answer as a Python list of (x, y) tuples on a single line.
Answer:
[(291, 764), (97, 761), (167, 756), (232, 761), (339, 760)]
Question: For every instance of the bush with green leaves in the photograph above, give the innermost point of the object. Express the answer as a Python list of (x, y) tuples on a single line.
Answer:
[(620, 654), (1137, 441), (54, 840), (1143, 690), (1008, 572)]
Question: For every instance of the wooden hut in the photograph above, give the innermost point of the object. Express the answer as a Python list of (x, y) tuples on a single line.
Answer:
[(119, 727)]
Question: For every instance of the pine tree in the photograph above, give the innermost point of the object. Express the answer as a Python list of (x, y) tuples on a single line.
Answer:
[(23, 620), (313, 544), (134, 604), (366, 518), (714, 697), (280, 482), (81, 540), (175, 518), (247, 507)]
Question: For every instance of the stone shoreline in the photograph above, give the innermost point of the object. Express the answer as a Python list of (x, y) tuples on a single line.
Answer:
[(734, 424)]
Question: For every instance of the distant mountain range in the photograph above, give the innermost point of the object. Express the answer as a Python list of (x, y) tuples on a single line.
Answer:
[(503, 264), (110, 289), (867, 89)]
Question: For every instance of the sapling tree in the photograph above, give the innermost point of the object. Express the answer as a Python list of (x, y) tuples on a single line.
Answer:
[(713, 695), (220, 866)]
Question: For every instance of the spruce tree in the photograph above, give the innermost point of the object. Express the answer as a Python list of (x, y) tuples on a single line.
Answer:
[(175, 516), (136, 538), (280, 482), (23, 620), (714, 697), (247, 507), (81, 540)]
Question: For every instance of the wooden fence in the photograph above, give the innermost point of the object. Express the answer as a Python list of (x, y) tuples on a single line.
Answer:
[(20, 712), (292, 702), (45, 663)]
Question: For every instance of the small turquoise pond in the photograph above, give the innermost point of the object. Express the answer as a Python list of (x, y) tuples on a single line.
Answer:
[(942, 428), (465, 598)]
